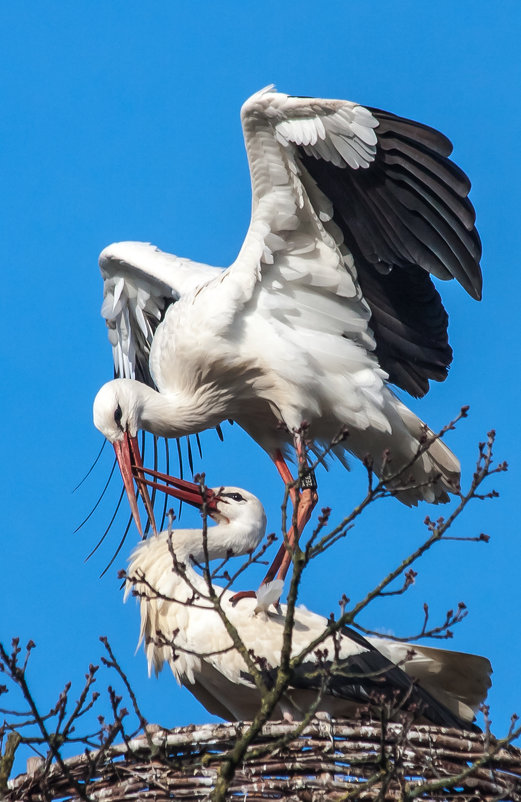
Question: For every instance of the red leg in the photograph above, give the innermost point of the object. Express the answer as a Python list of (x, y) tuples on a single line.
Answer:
[(306, 503), (285, 473)]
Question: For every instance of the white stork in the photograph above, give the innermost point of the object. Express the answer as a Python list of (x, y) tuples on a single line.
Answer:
[(329, 302), (184, 630)]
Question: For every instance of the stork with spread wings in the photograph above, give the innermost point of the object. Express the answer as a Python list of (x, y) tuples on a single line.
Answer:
[(329, 302)]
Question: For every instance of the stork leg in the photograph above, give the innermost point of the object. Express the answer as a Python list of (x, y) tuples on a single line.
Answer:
[(304, 502)]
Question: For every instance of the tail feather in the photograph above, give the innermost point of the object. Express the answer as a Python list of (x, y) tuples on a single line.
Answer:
[(435, 473), (413, 471), (457, 679)]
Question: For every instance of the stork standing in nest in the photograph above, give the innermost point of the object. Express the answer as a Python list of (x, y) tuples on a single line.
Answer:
[(180, 626)]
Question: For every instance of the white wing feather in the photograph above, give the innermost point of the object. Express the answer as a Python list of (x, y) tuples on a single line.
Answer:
[(140, 282)]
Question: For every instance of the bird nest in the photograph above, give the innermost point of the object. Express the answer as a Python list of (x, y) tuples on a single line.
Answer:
[(330, 760)]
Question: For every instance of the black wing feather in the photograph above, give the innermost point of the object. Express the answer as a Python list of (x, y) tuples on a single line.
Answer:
[(363, 675), (404, 217), (369, 678)]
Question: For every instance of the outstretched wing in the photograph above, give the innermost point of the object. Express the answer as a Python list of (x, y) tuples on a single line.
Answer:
[(383, 192), (140, 282)]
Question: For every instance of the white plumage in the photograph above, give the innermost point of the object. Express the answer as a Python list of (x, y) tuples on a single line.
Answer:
[(451, 685), (328, 301)]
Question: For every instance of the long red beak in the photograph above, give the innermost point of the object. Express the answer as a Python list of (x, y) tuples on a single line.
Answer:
[(179, 488), (129, 461)]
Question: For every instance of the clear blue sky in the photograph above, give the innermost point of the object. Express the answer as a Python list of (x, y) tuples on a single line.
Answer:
[(120, 120)]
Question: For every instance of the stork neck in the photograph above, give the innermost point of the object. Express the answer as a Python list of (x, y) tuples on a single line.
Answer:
[(155, 559), (174, 414), (221, 540)]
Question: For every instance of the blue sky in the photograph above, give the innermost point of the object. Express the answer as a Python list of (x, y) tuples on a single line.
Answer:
[(120, 120)]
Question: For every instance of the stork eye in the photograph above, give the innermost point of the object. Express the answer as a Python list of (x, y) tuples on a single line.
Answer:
[(118, 414), (234, 496)]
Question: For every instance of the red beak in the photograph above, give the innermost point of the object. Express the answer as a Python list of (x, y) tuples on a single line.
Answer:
[(129, 461), (190, 492)]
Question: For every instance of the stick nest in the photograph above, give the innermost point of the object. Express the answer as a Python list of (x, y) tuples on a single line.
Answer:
[(331, 760)]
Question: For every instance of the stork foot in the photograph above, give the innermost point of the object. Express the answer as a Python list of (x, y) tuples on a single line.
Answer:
[(243, 594)]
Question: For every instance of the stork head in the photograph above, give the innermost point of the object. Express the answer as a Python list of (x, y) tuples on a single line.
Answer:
[(243, 515), (116, 410), (239, 508), (240, 518), (116, 413)]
